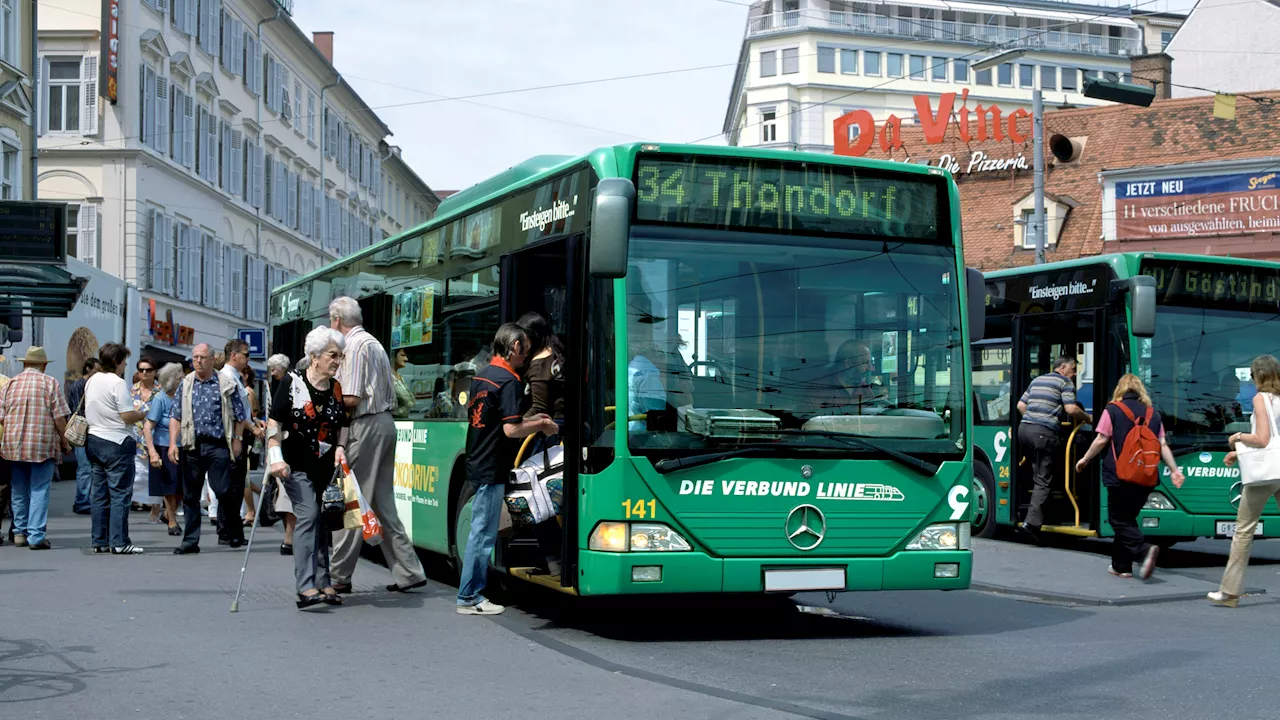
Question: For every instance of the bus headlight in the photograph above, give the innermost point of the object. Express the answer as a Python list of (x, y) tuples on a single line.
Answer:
[(942, 536), (1158, 501), (636, 537)]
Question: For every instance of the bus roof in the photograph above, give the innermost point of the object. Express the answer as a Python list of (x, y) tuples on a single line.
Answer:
[(1126, 264), (609, 161)]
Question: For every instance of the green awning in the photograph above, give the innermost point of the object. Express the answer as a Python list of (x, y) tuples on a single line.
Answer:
[(38, 290)]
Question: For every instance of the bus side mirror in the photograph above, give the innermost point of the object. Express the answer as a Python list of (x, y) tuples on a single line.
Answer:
[(1142, 306), (611, 228), (976, 286)]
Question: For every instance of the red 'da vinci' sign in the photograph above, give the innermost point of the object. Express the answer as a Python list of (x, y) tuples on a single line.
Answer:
[(990, 123), (110, 49)]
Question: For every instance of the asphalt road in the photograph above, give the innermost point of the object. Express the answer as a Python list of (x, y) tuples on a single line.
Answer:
[(85, 636)]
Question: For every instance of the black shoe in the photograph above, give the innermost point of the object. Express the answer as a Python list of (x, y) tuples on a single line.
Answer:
[(81, 512), (238, 542), (1149, 562), (187, 550), (223, 541), (406, 588), (101, 550), (175, 531), (42, 545), (1031, 531), (286, 549)]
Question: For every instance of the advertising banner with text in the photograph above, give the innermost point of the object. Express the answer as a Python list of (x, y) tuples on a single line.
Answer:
[(1191, 206)]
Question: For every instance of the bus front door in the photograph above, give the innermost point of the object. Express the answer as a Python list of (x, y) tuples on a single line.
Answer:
[(1039, 340)]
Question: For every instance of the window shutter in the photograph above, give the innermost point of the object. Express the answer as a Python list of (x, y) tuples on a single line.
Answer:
[(304, 209), (235, 156), (89, 224), (188, 131), (224, 155), (223, 38), (42, 92), (269, 169), (89, 95), (317, 212), (282, 194), (146, 117), (235, 281), (291, 213), (176, 121), (208, 274), (192, 17), (156, 276), (258, 162), (311, 117), (211, 137), (159, 126)]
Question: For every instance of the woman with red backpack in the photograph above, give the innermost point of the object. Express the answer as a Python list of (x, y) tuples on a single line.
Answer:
[(1130, 471)]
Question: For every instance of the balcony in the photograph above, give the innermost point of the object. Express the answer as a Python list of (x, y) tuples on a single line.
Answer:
[(1088, 39)]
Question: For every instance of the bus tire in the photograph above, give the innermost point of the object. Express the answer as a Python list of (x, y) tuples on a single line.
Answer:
[(461, 492), (983, 515)]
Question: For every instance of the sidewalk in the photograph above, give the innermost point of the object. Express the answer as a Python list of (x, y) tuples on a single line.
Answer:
[(1076, 577)]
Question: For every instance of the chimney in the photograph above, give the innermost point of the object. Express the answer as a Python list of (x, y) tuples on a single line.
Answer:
[(1154, 70), (324, 42)]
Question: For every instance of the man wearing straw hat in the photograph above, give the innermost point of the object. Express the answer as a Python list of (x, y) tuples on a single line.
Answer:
[(34, 413)]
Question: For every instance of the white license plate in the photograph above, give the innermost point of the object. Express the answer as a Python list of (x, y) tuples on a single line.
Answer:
[(804, 579), (1228, 529)]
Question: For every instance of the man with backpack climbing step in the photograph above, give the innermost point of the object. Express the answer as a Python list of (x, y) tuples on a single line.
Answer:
[(1130, 471)]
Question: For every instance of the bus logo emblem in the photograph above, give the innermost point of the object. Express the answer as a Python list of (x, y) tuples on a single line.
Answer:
[(1235, 493), (805, 528)]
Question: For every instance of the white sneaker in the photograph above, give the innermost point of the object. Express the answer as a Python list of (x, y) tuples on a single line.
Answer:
[(127, 550), (484, 607)]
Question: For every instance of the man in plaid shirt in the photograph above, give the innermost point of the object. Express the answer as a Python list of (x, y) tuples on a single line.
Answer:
[(34, 414)]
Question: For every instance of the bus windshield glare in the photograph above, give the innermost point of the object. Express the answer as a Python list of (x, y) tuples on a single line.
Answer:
[(733, 335)]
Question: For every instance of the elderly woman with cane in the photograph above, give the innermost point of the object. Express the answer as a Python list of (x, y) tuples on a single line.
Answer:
[(307, 439)]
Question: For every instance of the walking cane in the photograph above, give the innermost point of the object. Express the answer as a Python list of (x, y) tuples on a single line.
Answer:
[(257, 513)]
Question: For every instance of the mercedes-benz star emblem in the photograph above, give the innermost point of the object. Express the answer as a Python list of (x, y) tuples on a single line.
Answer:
[(805, 527), (1234, 493)]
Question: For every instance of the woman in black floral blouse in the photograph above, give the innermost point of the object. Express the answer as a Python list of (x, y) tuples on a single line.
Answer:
[(307, 440)]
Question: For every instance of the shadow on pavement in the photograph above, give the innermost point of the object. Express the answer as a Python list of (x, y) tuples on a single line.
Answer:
[(31, 671)]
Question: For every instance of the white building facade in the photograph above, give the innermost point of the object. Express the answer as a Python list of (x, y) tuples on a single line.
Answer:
[(405, 200), (232, 159), (1225, 46), (805, 63)]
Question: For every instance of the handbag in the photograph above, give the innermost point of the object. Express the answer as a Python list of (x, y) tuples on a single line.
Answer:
[(535, 489), (332, 503), (1261, 465), (77, 430)]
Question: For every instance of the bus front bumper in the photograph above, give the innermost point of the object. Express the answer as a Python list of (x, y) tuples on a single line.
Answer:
[(1176, 523), (602, 573)]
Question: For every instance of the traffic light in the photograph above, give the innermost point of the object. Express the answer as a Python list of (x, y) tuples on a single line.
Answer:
[(1127, 93)]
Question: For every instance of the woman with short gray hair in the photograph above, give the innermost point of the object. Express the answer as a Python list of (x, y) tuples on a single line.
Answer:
[(164, 479), (307, 441)]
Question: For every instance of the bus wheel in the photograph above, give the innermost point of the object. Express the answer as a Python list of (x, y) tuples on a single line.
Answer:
[(983, 519), (461, 529)]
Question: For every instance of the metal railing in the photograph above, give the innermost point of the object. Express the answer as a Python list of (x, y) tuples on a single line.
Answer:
[(1091, 41)]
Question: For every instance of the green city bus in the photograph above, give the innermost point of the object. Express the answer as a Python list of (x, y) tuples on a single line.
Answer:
[(1188, 325), (716, 306)]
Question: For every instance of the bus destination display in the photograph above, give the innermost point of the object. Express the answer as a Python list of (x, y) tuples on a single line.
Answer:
[(788, 197), (1226, 287)]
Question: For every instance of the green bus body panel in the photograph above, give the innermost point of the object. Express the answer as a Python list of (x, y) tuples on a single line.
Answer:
[(735, 539), (1206, 496)]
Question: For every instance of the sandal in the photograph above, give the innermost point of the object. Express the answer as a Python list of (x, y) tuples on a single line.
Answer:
[(174, 530), (286, 549), (306, 601), (331, 598), (248, 522)]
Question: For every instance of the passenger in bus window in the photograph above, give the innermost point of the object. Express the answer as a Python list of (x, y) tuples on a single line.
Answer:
[(658, 379), (404, 396), (441, 402)]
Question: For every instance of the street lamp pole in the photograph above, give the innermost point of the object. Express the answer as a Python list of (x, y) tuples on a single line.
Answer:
[(1038, 220)]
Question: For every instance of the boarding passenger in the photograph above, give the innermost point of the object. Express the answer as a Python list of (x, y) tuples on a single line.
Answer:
[(1039, 433), (545, 376), (1130, 406)]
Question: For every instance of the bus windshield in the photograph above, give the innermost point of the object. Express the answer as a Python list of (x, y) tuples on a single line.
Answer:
[(734, 336), (1197, 369)]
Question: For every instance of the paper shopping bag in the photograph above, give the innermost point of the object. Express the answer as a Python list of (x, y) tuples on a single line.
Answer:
[(368, 521), (351, 519)]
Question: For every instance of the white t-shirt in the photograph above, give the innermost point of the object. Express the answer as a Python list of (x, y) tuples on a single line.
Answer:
[(106, 396)]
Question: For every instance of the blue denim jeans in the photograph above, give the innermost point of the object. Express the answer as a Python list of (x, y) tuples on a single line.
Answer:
[(486, 511), (31, 483), (112, 490), (84, 480)]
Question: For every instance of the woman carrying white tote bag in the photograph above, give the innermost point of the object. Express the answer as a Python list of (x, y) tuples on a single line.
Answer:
[(1259, 455)]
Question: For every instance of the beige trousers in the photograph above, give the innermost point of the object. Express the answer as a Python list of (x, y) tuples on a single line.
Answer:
[(371, 453), (1253, 499)]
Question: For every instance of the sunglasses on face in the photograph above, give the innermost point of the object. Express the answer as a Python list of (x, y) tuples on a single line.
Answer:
[(146, 369)]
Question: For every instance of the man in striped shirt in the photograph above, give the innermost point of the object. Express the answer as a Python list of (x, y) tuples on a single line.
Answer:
[(1039, 433), (369, 394)]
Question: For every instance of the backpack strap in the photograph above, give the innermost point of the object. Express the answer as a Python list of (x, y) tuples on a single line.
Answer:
[(1129, 413), (1146, 421)]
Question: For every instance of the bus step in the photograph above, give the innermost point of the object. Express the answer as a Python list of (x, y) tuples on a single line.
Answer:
[(532, 575), (1081, 531)]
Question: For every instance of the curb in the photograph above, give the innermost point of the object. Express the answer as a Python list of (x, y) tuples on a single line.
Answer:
[(1066, 598)]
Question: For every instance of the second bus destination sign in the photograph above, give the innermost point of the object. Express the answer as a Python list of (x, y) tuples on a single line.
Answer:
[(788, 197)]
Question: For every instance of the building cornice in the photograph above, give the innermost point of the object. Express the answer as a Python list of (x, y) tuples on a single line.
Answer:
[(77, 34)]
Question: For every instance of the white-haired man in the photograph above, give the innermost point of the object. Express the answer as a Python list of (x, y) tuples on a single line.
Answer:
[(369, 394)]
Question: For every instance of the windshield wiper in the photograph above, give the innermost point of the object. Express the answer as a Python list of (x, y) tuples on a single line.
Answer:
[(910, 461), (667, 465)]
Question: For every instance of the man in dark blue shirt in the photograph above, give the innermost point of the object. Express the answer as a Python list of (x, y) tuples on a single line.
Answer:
[(496, 421)]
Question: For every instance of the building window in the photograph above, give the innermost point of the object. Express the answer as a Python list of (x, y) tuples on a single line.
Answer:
[(1165, 37), (790, 61), (895, 65), (311, 116), (871, 63), (849, 62), (1028, 232), (1004, 75), (9, 31), (769, 63), (961, 68), (184, 17), (1027, 76), (1069, 79), (768, 125), (10, 168), (63, 112), (940, 69), (982, 77), (826, 59), (917, 67), (1048, 77)]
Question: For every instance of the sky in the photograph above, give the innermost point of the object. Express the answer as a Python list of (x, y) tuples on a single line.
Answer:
[(414, 53)]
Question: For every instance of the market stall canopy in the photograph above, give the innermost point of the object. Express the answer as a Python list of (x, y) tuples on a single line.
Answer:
[(38, 290)]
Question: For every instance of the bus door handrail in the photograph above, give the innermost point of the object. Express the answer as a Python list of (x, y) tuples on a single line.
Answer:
[(1067, 476)]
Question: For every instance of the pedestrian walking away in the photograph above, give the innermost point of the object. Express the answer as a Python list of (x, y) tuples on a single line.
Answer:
[(1118, 440), (111, 447), (84, 471), (369, 396), (307, 438), (496, 426), (164, 478), (1265, 371), (1040, 432), (33, 411), (207, 419), (236, 353)]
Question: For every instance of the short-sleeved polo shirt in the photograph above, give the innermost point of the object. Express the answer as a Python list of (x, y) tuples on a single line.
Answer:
[(1045, 398), (496, 396)]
